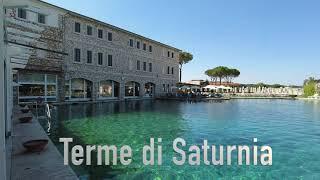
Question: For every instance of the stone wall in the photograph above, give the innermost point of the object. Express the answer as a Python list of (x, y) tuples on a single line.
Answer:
[(32, 46), (124, 57), (49, 48)]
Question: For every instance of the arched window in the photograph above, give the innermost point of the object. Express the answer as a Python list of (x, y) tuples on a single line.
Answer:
[(132, 89), (149, 89), (78, 88), (108, 89)]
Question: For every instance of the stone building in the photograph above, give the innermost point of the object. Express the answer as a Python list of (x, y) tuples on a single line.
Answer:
[(35, 48), (108, 62), (57, 55)]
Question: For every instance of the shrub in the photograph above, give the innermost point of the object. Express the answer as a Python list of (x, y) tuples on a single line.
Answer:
[(309, 89)]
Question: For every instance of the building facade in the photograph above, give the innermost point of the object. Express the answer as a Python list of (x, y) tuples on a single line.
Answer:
[(58, 55), (51, 54), (106, 62), (3, 100)]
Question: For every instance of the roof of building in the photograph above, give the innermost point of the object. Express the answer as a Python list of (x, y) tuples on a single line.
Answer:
[(186, 84), (109, 25), (196, 80)]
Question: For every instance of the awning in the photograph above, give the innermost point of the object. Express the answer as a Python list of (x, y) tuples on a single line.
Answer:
[(184, 87), (210, 87)]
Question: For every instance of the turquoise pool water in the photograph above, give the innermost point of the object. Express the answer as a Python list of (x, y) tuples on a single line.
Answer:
[(291, 128)]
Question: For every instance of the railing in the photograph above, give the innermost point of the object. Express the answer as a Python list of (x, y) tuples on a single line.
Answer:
[(47, 114)]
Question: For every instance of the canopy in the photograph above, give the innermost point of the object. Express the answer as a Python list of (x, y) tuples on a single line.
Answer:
[(184, 87), (195, 87), (210, 87), (223, 87)]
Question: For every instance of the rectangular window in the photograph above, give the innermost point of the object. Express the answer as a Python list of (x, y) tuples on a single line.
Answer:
[(77, 55), (100, 33), (144, 46), (138, 65), (168, 70), (163, 87), (89, 57), (41, 18), (22, 13), (172, 70), (131, 42), (168, 53), (172, 55), (77, 27), (109, 60), (150, 48), (35, 86), (144, 66), (100, 58), (89, 30), (138, 44), (150, 67), (109, 36)]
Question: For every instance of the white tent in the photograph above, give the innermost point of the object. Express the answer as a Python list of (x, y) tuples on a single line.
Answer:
[(211, 87), (224, 87), (184, 87)]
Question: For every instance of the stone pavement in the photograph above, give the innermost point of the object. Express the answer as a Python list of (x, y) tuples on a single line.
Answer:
[(45, 165)]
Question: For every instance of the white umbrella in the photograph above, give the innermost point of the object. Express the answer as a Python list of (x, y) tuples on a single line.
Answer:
[(184, 87), (224, 87), (210, 87)]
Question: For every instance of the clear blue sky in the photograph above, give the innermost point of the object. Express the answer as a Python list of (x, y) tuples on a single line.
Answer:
[(269, 41)]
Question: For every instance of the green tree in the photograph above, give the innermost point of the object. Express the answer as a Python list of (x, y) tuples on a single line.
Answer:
[(309, 87), (276, 86), (222, 72), (184, 58), (211, 74), (260, 85), (233, 73), (310, 79)]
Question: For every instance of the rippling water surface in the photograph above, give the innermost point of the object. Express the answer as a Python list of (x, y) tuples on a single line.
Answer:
[(291, 128)]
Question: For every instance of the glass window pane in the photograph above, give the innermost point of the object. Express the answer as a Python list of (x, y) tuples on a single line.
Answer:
[(105, 89), (100, 33), (109, 36), (67, 90), (77, 27), (77, 88), (41, 18), (116, 89), (137, 89), (31, 90), (129, 89), (51, 90), (31, 78), (51, 78)]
